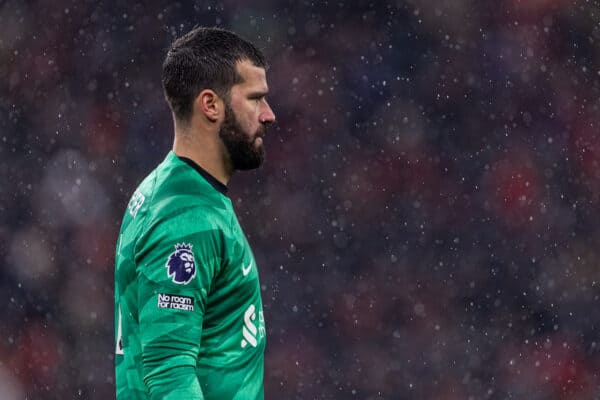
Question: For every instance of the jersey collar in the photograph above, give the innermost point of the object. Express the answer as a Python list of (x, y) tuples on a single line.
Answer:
[(211, 179)]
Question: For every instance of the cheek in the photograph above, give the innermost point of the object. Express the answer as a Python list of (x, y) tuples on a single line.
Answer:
[(250, 122), (249, 117), (247, 126)]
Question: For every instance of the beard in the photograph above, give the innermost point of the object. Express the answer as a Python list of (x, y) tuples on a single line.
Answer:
[(241, 146)]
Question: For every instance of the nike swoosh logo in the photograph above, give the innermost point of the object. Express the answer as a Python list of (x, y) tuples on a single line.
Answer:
[(246, 269)]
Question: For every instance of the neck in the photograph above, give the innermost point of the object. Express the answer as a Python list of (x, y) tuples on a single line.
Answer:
[(205, 149)]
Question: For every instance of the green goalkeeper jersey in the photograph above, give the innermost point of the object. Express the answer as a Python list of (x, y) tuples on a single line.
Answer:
[(189, 321)]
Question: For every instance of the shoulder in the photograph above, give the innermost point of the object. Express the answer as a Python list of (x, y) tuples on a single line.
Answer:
[(175, 194), (174, 201), (183, 235)]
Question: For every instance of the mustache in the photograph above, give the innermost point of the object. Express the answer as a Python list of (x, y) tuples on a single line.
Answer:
[(260, 132)]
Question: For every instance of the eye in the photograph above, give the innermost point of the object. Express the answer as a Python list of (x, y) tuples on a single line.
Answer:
[(257, 98)]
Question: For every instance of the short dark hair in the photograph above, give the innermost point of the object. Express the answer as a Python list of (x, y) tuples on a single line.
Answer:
[(204, 58)]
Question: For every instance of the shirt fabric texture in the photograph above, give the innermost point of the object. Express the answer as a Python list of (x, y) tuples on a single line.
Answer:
[(189, 322)]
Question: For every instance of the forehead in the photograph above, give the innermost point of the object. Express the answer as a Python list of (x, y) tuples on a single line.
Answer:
[(253, 77)]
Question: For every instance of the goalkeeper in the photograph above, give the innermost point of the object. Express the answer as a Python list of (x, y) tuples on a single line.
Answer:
[(189, 322)]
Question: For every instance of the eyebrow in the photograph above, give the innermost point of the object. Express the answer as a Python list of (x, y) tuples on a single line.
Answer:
[(257, 94)]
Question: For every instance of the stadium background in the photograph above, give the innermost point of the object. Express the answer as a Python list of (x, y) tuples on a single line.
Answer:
[(426, 223)]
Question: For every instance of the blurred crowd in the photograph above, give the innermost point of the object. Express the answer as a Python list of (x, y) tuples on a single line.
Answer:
[(426, 224)]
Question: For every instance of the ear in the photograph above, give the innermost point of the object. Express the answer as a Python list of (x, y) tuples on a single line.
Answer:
[(209, 104)]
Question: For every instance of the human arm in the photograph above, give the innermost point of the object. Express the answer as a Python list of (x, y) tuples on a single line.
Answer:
[(172, 298)]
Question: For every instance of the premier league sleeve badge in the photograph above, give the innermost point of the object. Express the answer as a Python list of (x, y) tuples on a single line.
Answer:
[(181, 266)]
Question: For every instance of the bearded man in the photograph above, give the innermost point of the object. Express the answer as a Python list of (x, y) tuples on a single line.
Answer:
[(189, 322)]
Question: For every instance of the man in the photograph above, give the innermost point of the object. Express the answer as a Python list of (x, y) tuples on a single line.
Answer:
[(188, 310)]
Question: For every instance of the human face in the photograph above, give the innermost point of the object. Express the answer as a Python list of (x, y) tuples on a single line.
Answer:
[(247, 115)]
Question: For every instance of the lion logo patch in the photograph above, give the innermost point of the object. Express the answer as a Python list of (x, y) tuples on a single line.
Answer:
[(181, 266)]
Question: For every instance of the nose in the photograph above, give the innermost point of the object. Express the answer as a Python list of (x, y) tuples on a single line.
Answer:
[(267, 116)]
